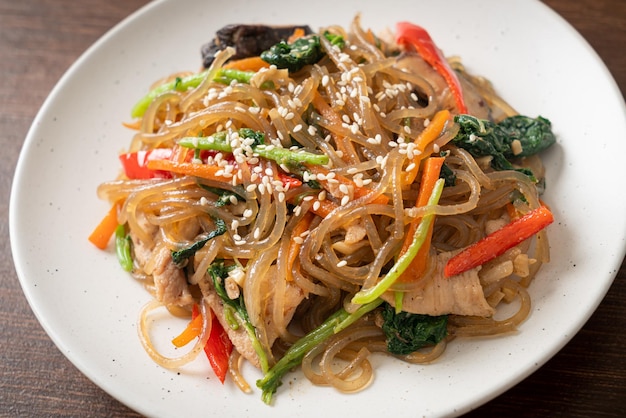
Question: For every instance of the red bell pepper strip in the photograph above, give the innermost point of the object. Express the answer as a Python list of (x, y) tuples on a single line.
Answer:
[(288, 180), (135, 164), (408, 34), (218, 347), (499, 241)]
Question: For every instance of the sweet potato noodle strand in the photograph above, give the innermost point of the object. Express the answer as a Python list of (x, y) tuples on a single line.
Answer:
[(371, 110), (172, 362)]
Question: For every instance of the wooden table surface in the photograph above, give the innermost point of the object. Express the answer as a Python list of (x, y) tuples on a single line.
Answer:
[(39, 40)]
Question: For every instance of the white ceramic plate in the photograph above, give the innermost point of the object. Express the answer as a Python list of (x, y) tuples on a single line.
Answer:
[(89, 306)]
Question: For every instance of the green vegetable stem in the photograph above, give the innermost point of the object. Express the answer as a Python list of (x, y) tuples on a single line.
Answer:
[(294, 355), (122, 248), (218, 272), (224, 76), (219, 142)]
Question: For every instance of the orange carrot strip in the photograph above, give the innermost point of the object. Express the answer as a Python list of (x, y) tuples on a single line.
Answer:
[(209, 172), (192, 330), (297, 34), (132, 125), (342, 143), (247, 64), (294, 246), (511, 211), (103, 232), (499, 241), (359, 191), (428, 135), (430, 175)]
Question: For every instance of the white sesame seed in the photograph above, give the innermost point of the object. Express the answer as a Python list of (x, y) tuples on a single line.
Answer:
[(345, 200), (257, 233), (281, 197), (247, 213), (297, 128), (325, 80), (316, 205), (342, 263), (298, 240), (289, 116)]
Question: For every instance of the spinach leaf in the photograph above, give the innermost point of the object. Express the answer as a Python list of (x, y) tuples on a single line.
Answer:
[(181, 255), (303, 51), (406, 332), (447, 175), (514, 137)]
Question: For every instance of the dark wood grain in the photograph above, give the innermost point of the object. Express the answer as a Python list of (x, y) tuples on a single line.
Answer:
[(39, 40)]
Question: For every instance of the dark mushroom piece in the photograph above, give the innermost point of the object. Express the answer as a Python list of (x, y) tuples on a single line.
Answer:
[(248, 40)]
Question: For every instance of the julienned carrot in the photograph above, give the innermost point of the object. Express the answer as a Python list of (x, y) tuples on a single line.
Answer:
[(102, 234), (297, 34), (205, 171), (499, 241), (430, 175), (428, 135), (132, 125), (338, 179), (193, 330), (372, 293), (295, 244), (341, 142), (247, 64)]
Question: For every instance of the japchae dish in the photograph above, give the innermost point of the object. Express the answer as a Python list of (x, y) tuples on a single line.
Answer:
[(310, 198)]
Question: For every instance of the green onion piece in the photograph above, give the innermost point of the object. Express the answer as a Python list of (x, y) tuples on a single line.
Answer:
[(225, 76), (294, 355), (374, 292), (122, 248)]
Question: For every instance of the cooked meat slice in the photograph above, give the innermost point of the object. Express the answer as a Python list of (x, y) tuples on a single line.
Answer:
[(459, 295), (248, 40), (292, 297), (170, 282), (238, 337)]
